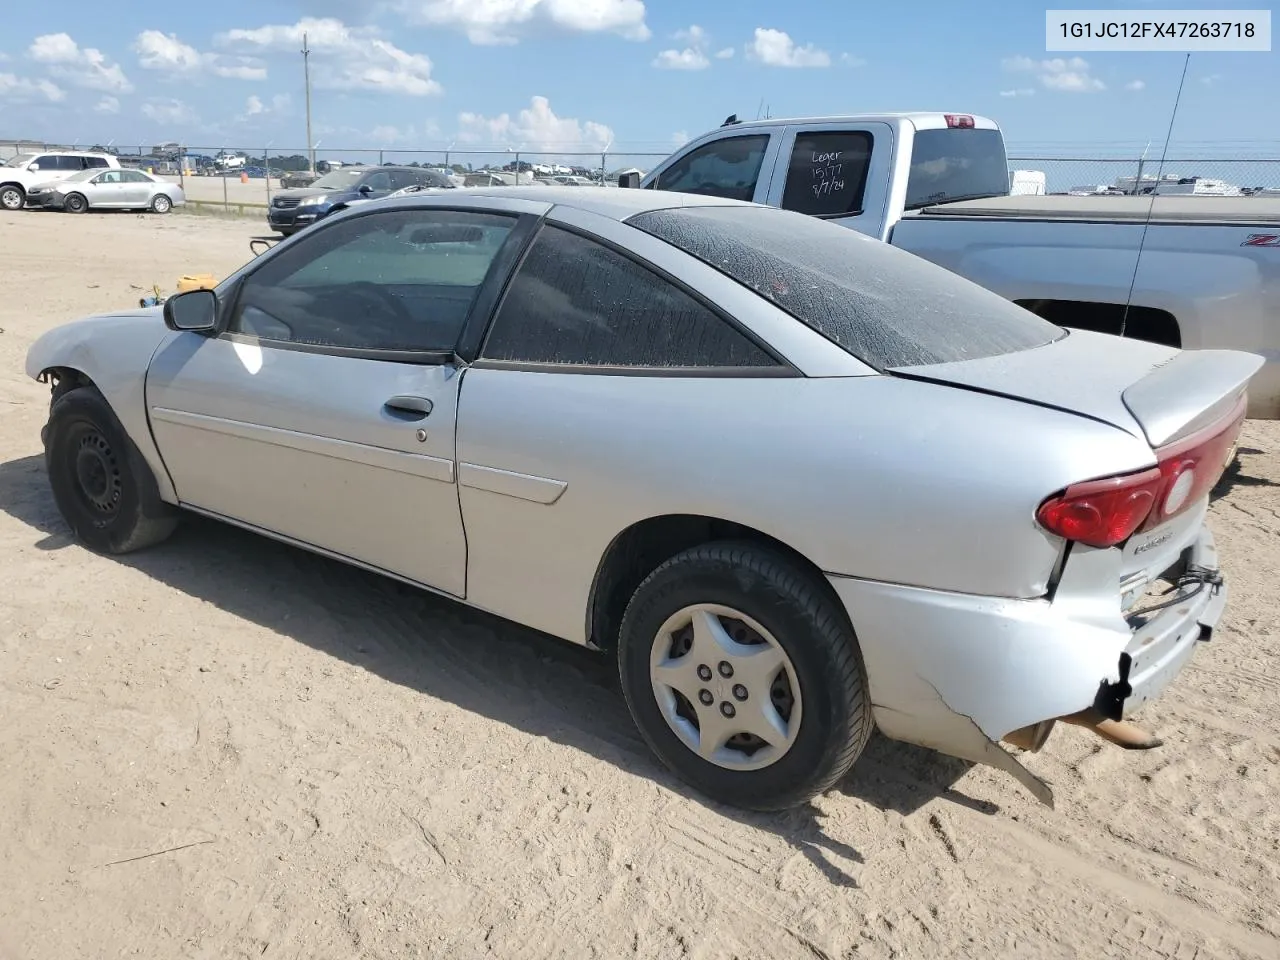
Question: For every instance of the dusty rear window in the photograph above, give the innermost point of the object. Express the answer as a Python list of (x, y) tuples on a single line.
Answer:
[(887, 307)]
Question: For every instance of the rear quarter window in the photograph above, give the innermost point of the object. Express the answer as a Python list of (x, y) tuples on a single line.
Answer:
[(887, 307)]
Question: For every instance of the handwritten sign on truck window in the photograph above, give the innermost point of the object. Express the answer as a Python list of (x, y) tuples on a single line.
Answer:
[(827, 173)]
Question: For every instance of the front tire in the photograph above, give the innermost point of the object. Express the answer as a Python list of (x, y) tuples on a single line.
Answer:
[(161, 204), (12, 197), (744, 676), (103, 487), (75, 203)]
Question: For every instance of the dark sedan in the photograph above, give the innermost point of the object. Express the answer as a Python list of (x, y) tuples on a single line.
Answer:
[(291, 210)]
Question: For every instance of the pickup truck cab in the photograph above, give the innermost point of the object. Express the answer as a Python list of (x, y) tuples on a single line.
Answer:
[(1206, 276), (23, 171)]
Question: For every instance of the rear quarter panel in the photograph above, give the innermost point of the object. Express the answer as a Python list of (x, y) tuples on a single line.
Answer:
[(873, 477)]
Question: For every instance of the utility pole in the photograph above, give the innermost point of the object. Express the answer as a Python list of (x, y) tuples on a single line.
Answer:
[(306, 72)]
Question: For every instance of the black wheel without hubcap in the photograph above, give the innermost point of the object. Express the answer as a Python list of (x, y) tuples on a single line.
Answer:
[(75, 203), (101, 484), (12, 197), (743, 675)]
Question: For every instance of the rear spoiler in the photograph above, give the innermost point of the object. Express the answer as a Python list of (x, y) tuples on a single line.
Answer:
[(1191, 390)]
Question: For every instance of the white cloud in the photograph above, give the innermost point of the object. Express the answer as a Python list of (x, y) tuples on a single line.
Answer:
[(500, 21), (107, 105), (1069, 75), (1135, 85), (254, 107), (169, 112), (535, 128), (165, 52), (689, 58), (774, 48), (680, 138), (724, 54), (1211, 79), (342, 58), (692, 57), (1019, 92), (82, 66), (849, 60), (22, 90)]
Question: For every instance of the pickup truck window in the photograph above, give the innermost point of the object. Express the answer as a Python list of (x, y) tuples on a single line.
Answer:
[(728, 167), (887, 307), (827, 173), (956, 164)]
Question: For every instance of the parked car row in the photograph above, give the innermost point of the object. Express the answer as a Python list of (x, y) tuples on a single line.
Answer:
[(77, 182)]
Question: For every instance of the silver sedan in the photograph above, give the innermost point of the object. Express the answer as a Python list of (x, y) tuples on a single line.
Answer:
[(108, 190), (798, 482)]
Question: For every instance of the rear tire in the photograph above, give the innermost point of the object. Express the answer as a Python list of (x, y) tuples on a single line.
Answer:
[(813, 707), (102, 485), (75, 203), (161, 204), (12, 197)]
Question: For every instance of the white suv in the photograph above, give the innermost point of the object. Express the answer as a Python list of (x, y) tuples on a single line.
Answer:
[(24, 171)]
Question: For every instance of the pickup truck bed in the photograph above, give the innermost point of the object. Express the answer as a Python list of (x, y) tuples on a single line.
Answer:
[(1263, 211)]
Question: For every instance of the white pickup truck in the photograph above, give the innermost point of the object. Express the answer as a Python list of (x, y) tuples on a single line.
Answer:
[(938, 185)]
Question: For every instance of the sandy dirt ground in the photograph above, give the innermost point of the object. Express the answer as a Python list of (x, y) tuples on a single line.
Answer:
[(228, 748)]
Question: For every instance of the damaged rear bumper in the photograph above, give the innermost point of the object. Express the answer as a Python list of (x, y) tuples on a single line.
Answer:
[(958, 673)]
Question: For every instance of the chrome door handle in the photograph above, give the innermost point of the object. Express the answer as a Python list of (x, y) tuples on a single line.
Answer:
[(408, 408)]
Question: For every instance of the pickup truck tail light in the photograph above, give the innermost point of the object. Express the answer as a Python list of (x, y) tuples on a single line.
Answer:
[(1106, 512), (958, 120)]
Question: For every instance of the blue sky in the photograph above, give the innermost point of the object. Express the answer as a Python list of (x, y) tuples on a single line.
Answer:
[(574, 74)]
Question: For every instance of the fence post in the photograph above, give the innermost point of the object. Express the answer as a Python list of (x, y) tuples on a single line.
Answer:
[(266, 160), (1137, 181), (226, 205)]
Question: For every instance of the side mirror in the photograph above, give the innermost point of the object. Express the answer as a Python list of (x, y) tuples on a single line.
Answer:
[(629, 180), (195, 310), (365, 189)]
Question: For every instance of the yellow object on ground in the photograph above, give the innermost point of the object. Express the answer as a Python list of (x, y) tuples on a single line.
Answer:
[(196, 281)]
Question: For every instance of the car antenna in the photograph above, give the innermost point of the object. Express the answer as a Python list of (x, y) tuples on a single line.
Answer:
[(1155, 190)]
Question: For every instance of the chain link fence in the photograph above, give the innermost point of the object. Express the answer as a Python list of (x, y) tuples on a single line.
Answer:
[(246, 177), (1135, 175)]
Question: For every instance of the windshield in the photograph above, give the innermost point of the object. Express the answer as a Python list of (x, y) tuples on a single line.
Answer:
[(956, 164), (340, 179), (20, 160), (887, 307)]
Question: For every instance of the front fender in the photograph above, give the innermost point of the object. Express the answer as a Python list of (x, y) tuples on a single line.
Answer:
[(113, 351)]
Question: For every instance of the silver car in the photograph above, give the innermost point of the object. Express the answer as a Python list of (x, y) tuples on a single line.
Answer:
[(108, 190), (798, 482)]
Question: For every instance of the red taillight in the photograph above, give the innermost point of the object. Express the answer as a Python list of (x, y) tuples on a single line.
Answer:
[(958, 120), (1103, 513)]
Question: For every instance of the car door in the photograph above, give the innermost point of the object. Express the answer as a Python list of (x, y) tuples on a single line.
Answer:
[(835, 171), (135, 188), (737, 166), (325, 410), (603, 386), (106, 190)]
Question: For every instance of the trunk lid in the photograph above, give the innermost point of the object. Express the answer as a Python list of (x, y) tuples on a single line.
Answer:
[(1159, 394)]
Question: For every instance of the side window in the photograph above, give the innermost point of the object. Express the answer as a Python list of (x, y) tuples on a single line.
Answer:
[(401, 280), (827, 174), (134, 176), (67, 164), (728, 167), (575, 301), (381, 180), (96, 162), (111, 176), (43, 164)]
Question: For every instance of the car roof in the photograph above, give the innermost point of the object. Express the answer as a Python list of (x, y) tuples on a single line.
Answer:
[(616, 203)]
